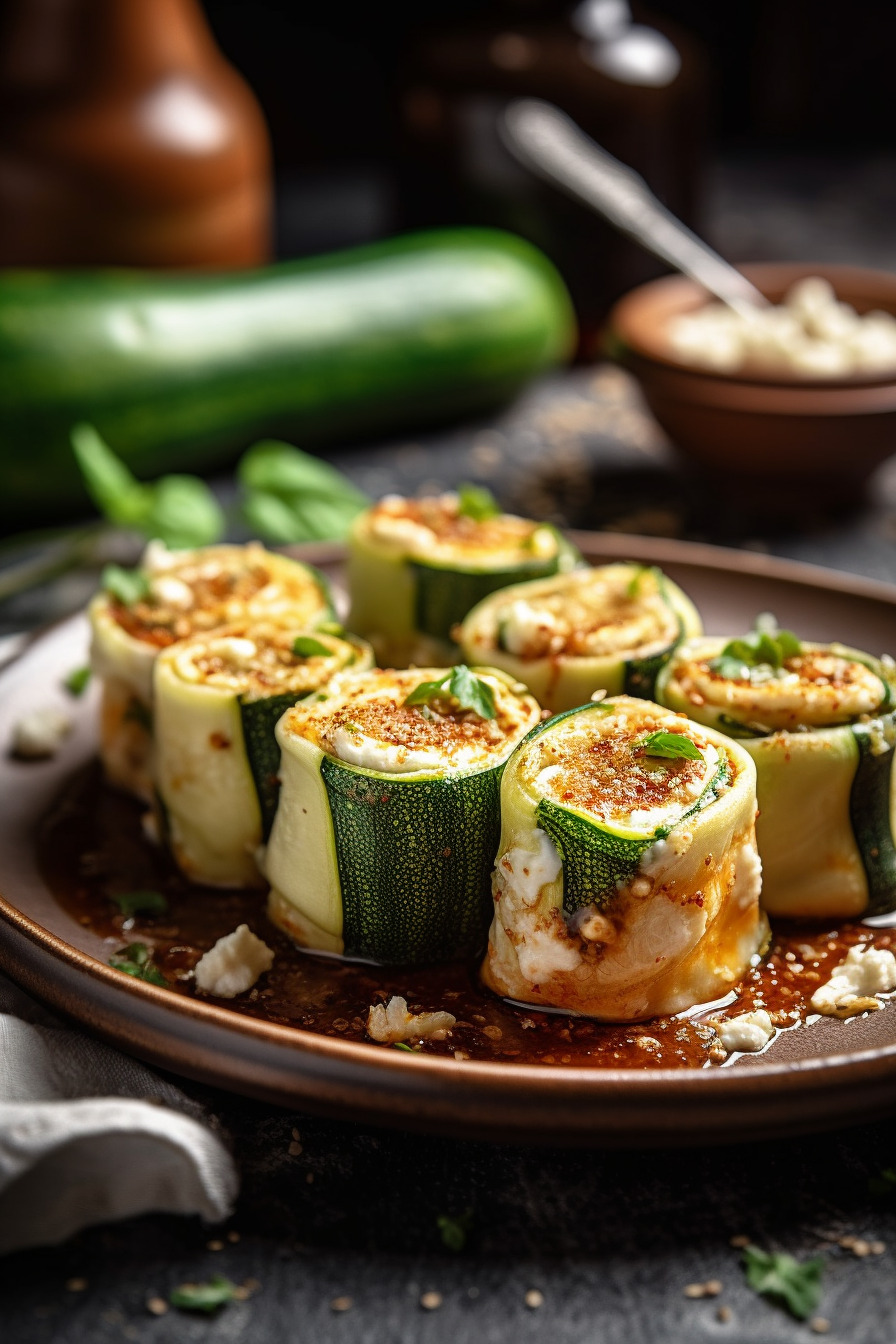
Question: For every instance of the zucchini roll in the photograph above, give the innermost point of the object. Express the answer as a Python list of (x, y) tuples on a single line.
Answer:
[(217, 700), (606, 629), (172, 596), (385, 834), (818, 721), (627, 879), (417, 566)]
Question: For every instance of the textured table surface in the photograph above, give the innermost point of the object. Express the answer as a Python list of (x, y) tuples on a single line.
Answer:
[(336, 1235)]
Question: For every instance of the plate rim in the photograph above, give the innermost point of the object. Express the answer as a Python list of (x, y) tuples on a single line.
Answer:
[(818, 1076)]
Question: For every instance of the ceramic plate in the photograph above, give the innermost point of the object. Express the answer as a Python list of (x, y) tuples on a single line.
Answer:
[(827, 1074)]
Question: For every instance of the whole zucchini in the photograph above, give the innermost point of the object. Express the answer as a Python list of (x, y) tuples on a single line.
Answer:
[(180, 371)]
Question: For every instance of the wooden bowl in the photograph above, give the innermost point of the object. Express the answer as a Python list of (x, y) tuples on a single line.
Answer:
[(821, 436)]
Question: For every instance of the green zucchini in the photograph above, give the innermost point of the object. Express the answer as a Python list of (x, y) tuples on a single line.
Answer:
[(627, 879), (181, 371), (387, 825), (217, 701), (820, 726), (417, 566), (184, 592), (606, 629)]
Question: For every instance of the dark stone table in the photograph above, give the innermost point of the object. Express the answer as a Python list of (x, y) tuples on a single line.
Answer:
[(336, 1233)]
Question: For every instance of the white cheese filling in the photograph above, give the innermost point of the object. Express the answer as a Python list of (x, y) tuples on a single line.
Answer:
[(865, 972), (392, 1022), (40, 733), (234, 964), (355, 748), (746, 1033)]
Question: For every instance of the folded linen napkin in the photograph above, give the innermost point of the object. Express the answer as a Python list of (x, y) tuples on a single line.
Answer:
[(88, 1135)]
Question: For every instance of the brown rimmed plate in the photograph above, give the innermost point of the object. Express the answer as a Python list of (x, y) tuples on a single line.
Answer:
[(826, 1074)]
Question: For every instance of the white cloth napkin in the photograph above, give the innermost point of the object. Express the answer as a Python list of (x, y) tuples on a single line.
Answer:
[(88, 1135)]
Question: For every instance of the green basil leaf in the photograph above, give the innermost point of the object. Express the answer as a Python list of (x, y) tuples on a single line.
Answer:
[(779, 1276), (729, 667), (674, 746), (463, 686), (136, 960), (141, 902), (403, 1045), (182, 512), (269, 518), (634, 584), (454, 1231), (204, 1296), (471, 692), (292, 496), (111, 485), (305, 647), (128, 585), (789, 644), (78, 680), (476, 502), (179, 510)]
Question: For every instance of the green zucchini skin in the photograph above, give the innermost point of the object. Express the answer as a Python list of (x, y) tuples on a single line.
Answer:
[(181, 371), (431, 902), (871, 814)]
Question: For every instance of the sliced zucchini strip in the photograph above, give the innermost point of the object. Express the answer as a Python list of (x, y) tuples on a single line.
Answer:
[(611, 628), (217, 701), (384, 839), (627, 882), (188, 592), (417, 566), (822, 731)]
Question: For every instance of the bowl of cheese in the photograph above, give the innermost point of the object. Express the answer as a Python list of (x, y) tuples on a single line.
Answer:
[(798, 394)]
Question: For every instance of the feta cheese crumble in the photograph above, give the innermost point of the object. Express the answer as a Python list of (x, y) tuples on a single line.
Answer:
[(40, 733), (746, 1033), (392, 1022), (865, 972), (234, 964)]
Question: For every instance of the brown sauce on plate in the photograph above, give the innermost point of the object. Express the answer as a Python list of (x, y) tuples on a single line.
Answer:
[(92, 848)]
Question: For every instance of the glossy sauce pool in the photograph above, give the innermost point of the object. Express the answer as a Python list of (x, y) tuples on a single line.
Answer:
[(92, 848)]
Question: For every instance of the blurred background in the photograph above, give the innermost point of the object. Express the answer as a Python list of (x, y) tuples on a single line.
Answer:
[(179, 135)]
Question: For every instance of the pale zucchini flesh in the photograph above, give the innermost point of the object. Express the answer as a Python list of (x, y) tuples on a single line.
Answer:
[(124, 648), (217, 702), (597, 918), (827, 822), (408, 595), (614, 597), (387, 865)]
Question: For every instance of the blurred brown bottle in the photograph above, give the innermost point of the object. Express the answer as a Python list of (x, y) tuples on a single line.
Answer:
[(126, 139), (638, 91)]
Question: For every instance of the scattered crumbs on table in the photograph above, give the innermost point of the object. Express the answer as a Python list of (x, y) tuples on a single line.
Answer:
[(309, 1178), (296, 1135), (341, 1304), (534, 1299), (75, 1285), (156, 1306), (295, 1149), (711, 1288), (214, 1245), (723, 1314), (739, 1242), (819, 1325), (431, 1301), (233, 1237)]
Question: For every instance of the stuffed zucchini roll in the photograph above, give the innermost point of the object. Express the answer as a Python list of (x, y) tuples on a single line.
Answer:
[(385, 834), (611, 628), (417, 566), (217, 700), (171, 596), (818, 721), (627, 880)]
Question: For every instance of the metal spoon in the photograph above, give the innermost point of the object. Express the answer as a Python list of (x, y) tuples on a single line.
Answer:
[(550, 143)]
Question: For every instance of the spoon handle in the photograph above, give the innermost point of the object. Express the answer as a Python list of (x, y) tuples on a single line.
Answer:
[(547, 141)]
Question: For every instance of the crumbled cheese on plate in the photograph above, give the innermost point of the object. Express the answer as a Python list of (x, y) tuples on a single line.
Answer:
[(392, 1022), (234, 964)]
